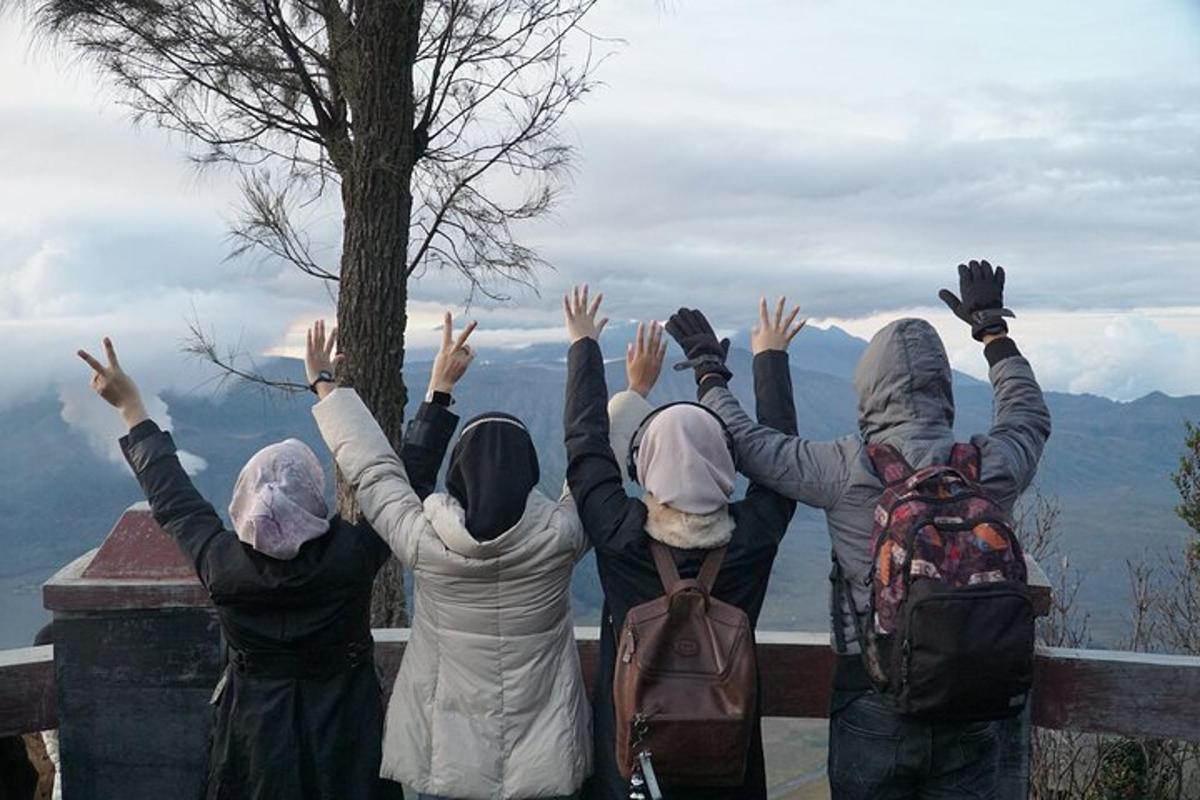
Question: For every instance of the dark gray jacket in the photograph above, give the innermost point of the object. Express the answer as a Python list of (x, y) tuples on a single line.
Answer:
[(905, 399)]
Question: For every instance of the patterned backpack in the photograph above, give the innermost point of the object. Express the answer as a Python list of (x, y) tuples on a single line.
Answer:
[(950, 631)]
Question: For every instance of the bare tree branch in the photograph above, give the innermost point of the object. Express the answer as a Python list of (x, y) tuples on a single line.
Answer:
[(202, 345), (266, 224)]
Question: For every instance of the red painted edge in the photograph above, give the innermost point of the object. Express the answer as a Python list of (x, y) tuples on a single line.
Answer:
[(137, 548)]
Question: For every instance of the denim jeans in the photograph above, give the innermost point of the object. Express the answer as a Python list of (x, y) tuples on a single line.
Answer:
[(876, 754)]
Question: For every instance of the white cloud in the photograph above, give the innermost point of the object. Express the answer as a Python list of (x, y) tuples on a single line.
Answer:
[(1122, 359), (848, 159), (92, 418)]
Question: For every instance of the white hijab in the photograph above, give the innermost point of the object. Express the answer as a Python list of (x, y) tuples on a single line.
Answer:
[(684, 461), (279, 500)]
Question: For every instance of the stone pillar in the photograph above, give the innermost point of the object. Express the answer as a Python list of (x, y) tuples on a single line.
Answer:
[(135, 660)]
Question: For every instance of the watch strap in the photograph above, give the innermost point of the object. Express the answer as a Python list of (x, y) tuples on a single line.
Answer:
[(324, 376)]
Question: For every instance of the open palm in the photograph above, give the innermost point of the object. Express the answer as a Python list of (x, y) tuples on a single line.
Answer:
[(581, 315)]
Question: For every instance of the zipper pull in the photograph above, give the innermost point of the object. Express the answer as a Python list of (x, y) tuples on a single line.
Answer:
[(649, 776), (637, 786)]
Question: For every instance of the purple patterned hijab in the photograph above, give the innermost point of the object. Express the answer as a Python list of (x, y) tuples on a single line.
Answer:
[(279, 500)]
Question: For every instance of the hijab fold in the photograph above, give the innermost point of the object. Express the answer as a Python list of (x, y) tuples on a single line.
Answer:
[(493, 468), (279, 500)]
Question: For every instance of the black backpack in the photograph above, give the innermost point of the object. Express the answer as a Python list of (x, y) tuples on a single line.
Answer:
[(949, 634)]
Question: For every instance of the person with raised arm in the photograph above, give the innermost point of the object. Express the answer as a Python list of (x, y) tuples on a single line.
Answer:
[(297, 710), (931, 620), (489, 703), (681, 456)]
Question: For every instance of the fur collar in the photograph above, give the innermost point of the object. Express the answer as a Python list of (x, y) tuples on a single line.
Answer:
[(687, 531), (447, 519)]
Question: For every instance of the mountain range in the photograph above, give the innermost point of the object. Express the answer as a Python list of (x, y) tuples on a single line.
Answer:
[(1108, 464)]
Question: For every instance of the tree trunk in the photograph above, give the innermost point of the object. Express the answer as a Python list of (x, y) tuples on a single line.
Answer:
[(377, 203)]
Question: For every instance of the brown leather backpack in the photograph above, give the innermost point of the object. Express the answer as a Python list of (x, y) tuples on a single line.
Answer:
[(685, 686)]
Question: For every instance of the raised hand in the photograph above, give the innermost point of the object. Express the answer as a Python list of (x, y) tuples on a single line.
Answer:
[(706, 355), (982, 302), (775, 333), (644, 358), (320, 357), (452, 360), (581, 317), (115, 386)]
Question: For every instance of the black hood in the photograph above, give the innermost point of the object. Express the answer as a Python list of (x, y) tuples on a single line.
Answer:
[(492, 470)]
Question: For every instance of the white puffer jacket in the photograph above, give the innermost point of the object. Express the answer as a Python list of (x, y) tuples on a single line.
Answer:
[(489, 702)]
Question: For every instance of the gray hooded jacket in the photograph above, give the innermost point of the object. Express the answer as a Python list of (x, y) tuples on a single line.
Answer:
[(905, 400)]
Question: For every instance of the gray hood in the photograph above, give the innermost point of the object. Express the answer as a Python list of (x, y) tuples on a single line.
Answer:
[(903, 382)]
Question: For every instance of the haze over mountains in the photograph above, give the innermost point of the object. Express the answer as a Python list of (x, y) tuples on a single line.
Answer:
[(1108, 463)]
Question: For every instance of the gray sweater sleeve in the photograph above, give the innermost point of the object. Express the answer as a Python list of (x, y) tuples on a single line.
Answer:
[(814, 473), (1020, 427)]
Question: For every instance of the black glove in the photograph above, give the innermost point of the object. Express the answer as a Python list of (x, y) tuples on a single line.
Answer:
[(982, 303), (704, 353)]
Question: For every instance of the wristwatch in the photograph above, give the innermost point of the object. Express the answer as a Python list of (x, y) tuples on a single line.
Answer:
[(324, 376), (439, 398)]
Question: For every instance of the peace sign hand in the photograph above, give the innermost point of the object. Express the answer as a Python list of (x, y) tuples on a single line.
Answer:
[(116, 387), (452, 360)]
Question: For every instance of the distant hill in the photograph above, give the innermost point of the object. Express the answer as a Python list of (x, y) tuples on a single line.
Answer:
[(1109, 464)]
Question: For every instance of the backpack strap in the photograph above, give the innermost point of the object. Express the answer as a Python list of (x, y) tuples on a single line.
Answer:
[(965, 458), (889, 465), (838, 591), (668, 572), (710, 568)]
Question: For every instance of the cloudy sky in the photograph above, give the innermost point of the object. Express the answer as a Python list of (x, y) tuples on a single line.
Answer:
[(847, 154)]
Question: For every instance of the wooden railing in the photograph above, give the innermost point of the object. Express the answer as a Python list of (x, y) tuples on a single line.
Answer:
[(27, 700), (1101, 691)]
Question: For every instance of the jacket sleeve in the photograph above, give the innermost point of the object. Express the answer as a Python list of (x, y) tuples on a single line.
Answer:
[(626, 411), (371, 466), (775, 407), (595, 479), (174, 501), (567, 521), (815, 473), (426, 440), (1020, 427)]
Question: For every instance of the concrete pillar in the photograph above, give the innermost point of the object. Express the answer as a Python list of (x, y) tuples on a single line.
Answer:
[(135, 659)]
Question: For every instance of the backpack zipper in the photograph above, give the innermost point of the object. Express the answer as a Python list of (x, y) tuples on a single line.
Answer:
[(627, 654)]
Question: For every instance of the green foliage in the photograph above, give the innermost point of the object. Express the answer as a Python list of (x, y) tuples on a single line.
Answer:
[(1187, 481)]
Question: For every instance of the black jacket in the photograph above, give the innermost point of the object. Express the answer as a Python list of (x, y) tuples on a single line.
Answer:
[(299, 712), (615, 523)]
